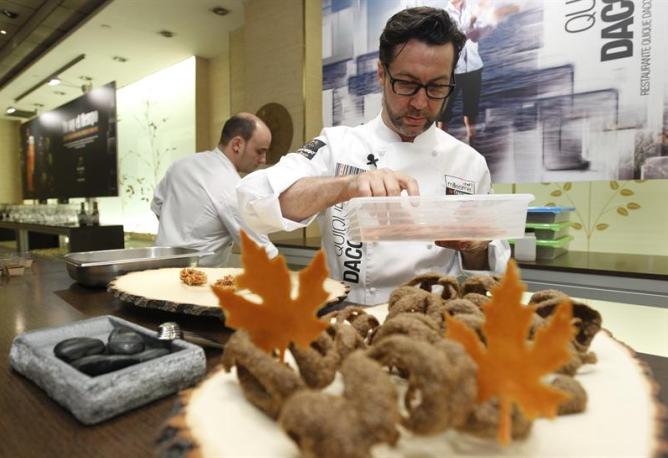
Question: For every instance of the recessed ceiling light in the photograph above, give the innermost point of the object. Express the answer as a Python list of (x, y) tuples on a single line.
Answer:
[(3, 32), (220, 11), (54, 82), (9, 13), (120, 59), (167, 33), (10, 110)]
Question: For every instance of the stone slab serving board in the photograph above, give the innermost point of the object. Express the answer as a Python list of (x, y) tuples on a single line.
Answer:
[(95, 399)]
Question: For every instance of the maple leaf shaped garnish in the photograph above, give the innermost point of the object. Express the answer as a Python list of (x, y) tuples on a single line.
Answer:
[(279, 319), (509, 366)]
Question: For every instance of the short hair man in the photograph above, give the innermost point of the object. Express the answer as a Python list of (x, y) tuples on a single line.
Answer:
[(196, 201), (399, 150)]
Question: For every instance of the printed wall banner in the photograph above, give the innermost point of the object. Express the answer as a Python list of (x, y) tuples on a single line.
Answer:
[(569, 90), (70, 151)]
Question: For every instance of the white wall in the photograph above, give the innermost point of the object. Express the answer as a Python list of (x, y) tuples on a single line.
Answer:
[(156, 126)]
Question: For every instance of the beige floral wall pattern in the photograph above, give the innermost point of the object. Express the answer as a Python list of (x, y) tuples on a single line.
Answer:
[(152, 158), (593, 220), (611, 216)]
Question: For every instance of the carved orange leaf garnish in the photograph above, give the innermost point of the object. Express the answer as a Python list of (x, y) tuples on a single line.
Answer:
[(278, 319), (509, 366)]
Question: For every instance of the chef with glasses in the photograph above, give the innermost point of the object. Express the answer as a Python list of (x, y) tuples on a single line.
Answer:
[(400, 151)]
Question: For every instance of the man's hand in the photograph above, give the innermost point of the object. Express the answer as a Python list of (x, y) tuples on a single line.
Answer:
[(474, 252), (381, 182)]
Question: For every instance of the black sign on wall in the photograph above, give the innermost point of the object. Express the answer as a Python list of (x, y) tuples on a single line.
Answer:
[(71, 151)]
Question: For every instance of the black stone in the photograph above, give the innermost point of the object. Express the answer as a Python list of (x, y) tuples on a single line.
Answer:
[(102, 364), (78, 347), (151, 354), (124, 341)]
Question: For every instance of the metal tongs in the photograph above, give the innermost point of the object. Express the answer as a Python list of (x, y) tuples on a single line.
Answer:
[(169, 331)]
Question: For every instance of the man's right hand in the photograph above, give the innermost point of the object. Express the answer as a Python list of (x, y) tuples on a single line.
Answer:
[(381, 182)]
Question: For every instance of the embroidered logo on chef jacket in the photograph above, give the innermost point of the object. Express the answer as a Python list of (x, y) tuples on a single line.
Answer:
[(455, 185), (350, 254), (309, 149), (345, 169)]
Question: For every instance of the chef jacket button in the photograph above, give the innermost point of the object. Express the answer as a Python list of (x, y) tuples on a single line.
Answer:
[(372, 290), (434, 153), (381, 153), (429, 246)]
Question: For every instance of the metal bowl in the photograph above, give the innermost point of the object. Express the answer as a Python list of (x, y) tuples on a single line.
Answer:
[(97, 268)]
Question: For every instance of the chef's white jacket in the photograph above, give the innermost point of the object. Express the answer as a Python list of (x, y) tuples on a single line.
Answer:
[(440, 163), (196, 204)]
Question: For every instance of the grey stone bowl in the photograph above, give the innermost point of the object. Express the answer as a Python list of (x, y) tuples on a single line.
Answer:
[(95, 399)]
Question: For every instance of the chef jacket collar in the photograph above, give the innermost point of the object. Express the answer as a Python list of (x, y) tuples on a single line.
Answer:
[(226, 160), (385, 133)]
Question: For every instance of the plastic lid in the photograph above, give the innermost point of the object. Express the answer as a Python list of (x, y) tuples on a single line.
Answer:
[(557, 243), (550, 209), (549, 226)]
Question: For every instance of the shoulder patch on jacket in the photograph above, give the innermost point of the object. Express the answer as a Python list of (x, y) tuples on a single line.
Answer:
[(309, 149)]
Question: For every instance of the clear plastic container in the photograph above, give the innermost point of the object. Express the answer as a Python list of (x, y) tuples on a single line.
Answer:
[(549, 231), (460, 217), (550, 249), (549, 214)]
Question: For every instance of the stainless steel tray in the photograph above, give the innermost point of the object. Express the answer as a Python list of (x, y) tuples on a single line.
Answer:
[(97, 268)]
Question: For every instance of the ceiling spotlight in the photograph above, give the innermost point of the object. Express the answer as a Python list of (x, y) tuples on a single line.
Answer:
[(54, 81), (167, 33), (220, 11), (3, 32), (120, 59), (18, 113), (9, 13)]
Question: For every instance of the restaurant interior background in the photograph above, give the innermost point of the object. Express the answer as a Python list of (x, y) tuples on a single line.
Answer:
[(262, 52)]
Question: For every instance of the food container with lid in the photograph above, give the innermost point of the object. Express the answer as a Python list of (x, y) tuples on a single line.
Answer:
[(549, 249), (549, 214), (549, 231), (458, 217)]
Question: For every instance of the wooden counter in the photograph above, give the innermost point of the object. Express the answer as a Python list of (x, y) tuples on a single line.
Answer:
[(32, 425), (80, 238)]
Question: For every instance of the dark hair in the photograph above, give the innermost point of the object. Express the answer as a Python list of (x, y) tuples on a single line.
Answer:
[(237, 126), (432, 26)]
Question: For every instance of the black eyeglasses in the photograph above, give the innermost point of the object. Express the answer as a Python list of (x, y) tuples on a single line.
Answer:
[(408, 88)]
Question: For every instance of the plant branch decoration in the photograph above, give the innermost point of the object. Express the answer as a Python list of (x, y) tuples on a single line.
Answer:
[(617, 204), (143, 185)]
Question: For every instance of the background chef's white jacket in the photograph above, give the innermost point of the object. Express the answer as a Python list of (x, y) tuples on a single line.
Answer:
[(372, 269), (196, 204)]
